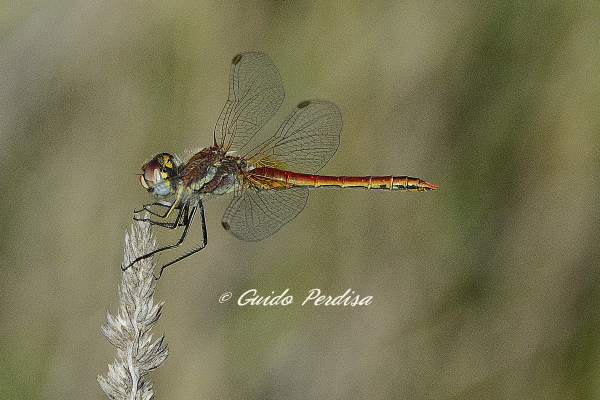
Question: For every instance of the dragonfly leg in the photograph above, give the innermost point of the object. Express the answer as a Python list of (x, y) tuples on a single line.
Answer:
[(184, 218), (146, 207), (171, 225), (197, 249)]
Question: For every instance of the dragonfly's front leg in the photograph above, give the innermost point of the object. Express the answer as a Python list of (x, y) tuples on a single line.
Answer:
[(171, 225), (146, 207)]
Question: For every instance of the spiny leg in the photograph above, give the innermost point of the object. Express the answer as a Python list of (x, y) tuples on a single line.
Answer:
[(171, 225), (146, 207), (188, 215), (197, 249)]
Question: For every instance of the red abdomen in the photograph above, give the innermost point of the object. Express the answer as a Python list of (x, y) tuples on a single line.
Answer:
[(276, 178)]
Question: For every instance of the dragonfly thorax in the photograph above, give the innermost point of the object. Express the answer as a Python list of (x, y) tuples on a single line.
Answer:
[(210, 172)]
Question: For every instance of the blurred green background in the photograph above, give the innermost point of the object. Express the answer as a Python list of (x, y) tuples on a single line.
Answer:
[(486, 288)]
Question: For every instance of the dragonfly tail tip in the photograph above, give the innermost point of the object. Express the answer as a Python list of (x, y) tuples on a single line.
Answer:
[(429, 186)]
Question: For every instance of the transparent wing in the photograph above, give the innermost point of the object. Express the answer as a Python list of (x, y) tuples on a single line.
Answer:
[(255, 94), (306, 140), (257, 214)]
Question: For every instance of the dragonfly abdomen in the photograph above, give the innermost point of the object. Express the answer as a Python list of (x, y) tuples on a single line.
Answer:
[(278, 178)]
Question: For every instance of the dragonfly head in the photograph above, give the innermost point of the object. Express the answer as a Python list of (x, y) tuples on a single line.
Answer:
[(159, 173)]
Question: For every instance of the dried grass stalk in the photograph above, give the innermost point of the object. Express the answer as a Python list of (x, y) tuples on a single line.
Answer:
[(129, 331)]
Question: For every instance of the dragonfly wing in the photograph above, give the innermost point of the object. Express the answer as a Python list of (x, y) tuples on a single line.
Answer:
[(306, 140), (255, 94), (257, 214)]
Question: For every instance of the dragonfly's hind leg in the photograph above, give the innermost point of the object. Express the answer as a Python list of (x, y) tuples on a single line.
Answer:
[(194, 251)]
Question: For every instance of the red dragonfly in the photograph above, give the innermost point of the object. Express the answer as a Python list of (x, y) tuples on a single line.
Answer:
[(266, 193)]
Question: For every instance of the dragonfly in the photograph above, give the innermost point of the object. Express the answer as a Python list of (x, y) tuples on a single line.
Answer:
[(269, 179)]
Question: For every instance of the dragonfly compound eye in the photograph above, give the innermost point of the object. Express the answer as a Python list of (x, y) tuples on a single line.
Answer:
[(157, 174)]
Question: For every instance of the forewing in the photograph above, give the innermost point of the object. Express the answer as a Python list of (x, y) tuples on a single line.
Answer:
[(257, 214), (255, 94), (306, 140)]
